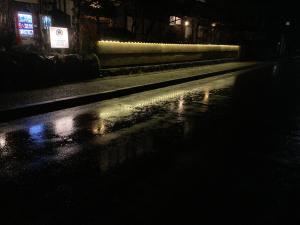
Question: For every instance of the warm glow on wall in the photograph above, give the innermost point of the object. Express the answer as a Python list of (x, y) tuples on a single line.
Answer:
[(116, 47), (116, 54)]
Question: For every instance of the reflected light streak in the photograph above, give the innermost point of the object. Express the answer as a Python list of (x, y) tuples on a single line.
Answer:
[(181, 105), (100, 129), (36, 132), (2, 140), (121, 110), (64, 126), (126, 107), (275, 70), (206, 97)]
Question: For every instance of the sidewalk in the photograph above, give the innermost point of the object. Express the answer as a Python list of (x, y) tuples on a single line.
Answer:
[(14, 105)]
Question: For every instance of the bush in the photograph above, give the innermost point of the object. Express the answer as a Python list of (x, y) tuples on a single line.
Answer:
[(70, 67), (27, 69)]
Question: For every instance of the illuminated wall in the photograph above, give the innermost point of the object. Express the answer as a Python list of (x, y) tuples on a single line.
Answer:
[(113, 54)]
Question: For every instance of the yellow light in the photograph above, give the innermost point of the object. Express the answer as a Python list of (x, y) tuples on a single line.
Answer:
[(127, 50), (100, 129), (187, 23), (108, 47)]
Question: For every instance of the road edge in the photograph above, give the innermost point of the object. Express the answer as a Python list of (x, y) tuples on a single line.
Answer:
[(74, 101)]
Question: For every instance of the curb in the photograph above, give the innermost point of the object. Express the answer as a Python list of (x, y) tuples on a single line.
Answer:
[(160, 67), (64, 103)]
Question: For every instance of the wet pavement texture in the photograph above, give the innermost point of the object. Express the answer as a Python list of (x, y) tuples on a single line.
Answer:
[(221, 150), (107, 84)]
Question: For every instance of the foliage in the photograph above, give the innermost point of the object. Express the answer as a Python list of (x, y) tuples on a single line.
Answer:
[(98, 7)]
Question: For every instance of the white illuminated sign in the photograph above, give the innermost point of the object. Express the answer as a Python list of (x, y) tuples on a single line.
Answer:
[(59, 37)]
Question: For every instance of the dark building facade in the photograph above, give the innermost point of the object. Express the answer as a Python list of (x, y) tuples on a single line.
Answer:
[(26, 22), (169, 21)]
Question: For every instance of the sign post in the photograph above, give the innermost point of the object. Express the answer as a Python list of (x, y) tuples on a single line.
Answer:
[(59, 37)]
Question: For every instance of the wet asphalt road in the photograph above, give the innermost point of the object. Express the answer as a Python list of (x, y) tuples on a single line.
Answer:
[(222, 150)]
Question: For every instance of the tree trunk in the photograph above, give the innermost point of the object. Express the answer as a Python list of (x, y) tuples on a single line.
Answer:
[(98, 28), (77, 5)]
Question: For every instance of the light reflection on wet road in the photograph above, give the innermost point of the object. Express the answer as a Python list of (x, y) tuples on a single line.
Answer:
[(42, 137), (201, 150)]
